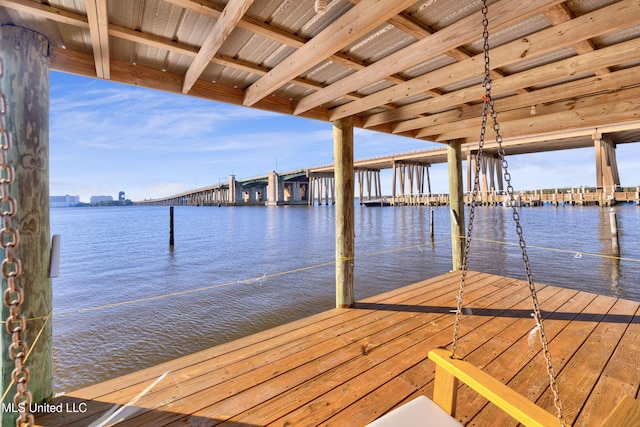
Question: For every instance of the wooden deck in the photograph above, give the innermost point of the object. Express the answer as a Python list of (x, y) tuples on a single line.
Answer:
[(347, 367)]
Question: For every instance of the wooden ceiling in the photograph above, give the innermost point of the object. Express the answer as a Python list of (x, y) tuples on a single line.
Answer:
[(408, 67)]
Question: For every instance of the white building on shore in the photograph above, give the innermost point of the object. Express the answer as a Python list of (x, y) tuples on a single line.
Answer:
[(63, 201)]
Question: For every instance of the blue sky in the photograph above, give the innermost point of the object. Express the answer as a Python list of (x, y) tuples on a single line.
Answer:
[(107, 137)]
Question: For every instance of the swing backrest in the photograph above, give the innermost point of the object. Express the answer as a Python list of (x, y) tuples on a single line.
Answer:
[(449, 371)]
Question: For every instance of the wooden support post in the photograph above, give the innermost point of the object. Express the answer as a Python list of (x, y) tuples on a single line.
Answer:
[(25, 86), (171, 227), (345, 234), (456, 201), (613, 222), (484, 185), (393, 184), (431, 223)]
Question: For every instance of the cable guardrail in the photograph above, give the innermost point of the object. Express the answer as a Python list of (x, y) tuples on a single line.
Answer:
[(326, 264)]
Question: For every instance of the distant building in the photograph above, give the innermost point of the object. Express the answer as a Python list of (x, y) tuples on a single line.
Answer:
[(63, 201), (99, 199), (121, 196)]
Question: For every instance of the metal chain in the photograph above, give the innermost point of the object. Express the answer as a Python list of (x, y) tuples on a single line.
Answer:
[(12, 269), (476, 188), (465, 259), (488, 105)]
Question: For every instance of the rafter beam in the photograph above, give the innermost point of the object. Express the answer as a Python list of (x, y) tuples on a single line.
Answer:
[(207, 9), (605, 57), (616, 16), (167, 44), (524, 113), (355, 23), (463, 31), (231, 15), (443, 122), (99, 29), (561, 14), (46, 11), (614, 108), (74, 62)]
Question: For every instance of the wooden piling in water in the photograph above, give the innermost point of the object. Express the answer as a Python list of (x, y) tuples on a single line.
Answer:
[(431, 222), (171, 226), (25, 86), (615, 244)]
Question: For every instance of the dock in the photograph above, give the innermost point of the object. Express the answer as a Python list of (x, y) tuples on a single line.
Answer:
[(349, 366)]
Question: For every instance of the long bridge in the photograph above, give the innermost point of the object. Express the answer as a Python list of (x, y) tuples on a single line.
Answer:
[(411, 183)]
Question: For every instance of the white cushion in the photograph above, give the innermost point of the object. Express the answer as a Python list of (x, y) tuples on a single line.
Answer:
[(419, 412)]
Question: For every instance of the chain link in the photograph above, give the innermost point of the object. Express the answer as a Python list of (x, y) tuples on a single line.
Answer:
[(488, 108), (11, 270)]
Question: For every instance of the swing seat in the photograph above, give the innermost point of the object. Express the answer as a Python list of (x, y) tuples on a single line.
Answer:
[(419, 412), (441, 411)]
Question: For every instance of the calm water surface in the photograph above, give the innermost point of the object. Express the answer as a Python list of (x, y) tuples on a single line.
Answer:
[(238, 270)]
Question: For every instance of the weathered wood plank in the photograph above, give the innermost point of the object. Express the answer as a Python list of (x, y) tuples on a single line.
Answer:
[(432, 333), (264, 414), (625, 414), (620, 377), (254, 386), (565, 337), (594, 362)]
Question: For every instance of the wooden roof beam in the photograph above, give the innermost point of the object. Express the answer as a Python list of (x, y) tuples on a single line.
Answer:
[(598, 22), (561, 14), (46, 11), (74, 19), (463, 31), (609, 109), (442, 122), (609, 56), (524, 113), (99, 29), (354, 24), (231, 15), (205, 8)]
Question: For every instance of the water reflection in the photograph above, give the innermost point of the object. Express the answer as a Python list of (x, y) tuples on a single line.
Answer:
[(610, 262)]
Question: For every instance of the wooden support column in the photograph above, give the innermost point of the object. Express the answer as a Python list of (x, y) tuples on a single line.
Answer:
[(25, 86), (343, 170), (456, 201), (393, 184), (484, 185), (499, 172), (607, 177)]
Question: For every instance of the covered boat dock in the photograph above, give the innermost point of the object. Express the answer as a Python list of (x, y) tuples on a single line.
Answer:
[(560, 70)]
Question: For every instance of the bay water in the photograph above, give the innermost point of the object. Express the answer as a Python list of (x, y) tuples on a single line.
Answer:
[(125, 300)]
